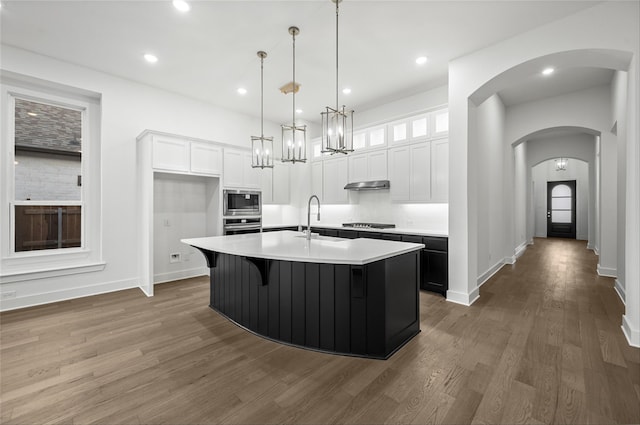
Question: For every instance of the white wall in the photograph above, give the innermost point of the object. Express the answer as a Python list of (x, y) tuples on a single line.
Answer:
[(546, 172), (128, 108), (619, 124), (490, 187)]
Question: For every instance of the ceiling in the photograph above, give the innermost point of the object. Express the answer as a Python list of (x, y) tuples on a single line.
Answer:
[(562, 81), (210, 51)]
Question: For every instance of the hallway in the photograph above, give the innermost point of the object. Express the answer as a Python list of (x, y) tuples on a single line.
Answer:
[(573, 357), (543, 344)]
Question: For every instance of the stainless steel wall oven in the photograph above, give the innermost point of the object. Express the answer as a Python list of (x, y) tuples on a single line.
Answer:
[(242, 211)]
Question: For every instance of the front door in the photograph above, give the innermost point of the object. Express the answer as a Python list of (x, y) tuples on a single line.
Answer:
[(561, 209)]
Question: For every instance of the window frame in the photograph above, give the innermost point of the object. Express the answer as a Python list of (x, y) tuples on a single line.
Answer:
[(27, 265)]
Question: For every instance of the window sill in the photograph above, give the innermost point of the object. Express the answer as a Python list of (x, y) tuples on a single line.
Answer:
[(23, 275)]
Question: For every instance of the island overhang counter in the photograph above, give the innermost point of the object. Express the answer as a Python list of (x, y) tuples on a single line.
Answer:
[(355, 297)]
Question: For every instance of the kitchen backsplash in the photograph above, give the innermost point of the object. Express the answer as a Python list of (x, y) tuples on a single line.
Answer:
[(366, 206)]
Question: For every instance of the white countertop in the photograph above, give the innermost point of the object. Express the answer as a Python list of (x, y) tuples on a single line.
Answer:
[(293, 246), (402, 230)]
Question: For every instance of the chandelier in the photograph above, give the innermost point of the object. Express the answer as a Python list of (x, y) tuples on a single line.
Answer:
[(261, 147), (294, 137), (337, 124)]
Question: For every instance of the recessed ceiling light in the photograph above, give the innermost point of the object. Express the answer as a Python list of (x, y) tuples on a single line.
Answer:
[(32, 114), (150, 58), (421, 60), (242, 91), (346, 90), (299, 111), (548, 71), (181, 5)]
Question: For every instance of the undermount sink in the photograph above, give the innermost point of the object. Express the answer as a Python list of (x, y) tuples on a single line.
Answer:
[(318, 237)]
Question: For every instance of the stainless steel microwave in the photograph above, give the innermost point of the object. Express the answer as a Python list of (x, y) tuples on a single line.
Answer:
[(242, 202)]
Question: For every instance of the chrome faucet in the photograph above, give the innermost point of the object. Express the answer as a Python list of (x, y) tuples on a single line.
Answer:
[(309, 215)]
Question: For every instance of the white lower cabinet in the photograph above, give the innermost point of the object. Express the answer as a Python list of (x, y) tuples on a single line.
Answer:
[(420, 172), (334, 178)]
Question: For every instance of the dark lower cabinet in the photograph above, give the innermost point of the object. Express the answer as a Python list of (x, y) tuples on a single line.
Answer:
[(435, 271), (366, 310), (434, 258)]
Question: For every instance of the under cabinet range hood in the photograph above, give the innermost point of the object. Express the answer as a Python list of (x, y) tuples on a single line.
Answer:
[(369, 185)]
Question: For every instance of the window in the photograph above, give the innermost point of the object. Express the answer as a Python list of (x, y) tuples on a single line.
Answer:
[(51, 179), (47, 176)]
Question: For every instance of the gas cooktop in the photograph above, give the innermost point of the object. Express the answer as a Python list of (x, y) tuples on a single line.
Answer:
[(369, 225)]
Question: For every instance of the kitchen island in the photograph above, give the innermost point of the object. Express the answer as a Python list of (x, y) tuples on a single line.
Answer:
[(346, 296)]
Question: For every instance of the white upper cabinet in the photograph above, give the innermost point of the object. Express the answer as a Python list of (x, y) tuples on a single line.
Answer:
[(377, 165), (420, 172), (206, 158), (413, 153), (377, 137), (316, 180), (398, 132), (370, 138), (439, 123), (250, 176), (368, 166), (334, 179), (233, 168), (358, 168), (170, 153), (184, 156), (411, 129), (420, 169), (238, 171), (440, 170), (274, 183), (400, 173)]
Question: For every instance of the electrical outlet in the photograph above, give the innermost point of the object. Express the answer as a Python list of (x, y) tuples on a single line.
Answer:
[(8, 295), (175, 257)]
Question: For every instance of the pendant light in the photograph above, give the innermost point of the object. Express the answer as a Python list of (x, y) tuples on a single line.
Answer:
[(261, 147), (561, 164), (337, 124), (294, 137)]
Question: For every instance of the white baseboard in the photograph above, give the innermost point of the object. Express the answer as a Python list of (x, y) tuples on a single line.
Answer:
[(180, 274), (510, 260), (463, 298), (606, 271), (619, 287), (521, 249), (66, 294), (596, 250), (632, 335), (590, 246), (490, 272)]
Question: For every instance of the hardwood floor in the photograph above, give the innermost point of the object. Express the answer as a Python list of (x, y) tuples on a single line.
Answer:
[(543, 344)]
